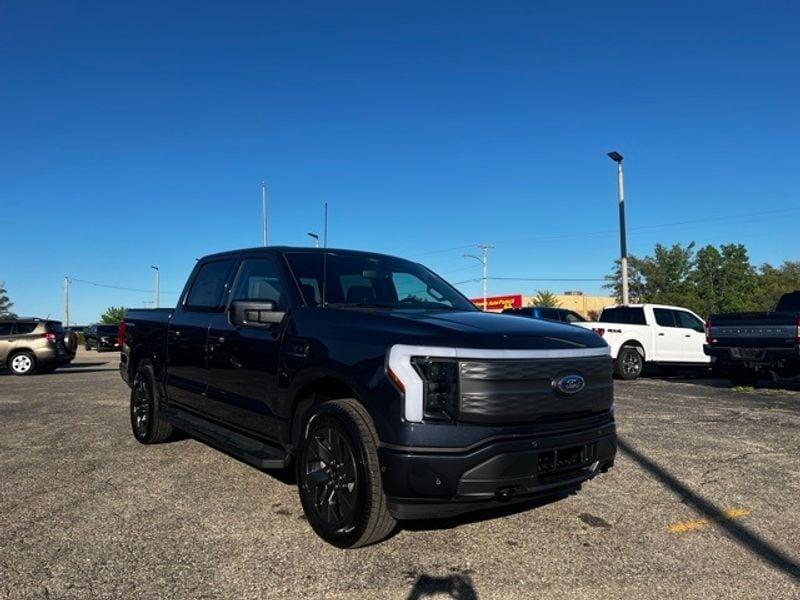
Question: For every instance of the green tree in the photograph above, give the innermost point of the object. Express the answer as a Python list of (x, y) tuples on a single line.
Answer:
[(545, 299), (113, 315), (636, 280), (5, 303), (774, 281)]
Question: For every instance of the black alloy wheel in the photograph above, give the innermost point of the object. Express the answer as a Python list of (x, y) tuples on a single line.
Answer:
[(330, 478), (141, 408), (339, 475), (147, 424)]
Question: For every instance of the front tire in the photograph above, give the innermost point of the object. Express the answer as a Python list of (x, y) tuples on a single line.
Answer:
[(338, 476), (147, 423), (22, 364), (629, 363)]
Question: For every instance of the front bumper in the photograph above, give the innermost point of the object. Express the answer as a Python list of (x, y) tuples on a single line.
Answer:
[(430, 483)]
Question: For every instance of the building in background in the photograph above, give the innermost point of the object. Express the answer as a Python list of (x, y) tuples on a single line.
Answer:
[(587, 306)]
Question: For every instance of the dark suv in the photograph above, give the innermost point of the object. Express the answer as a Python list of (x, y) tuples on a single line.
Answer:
[(33, 345), (390, 393), (101, 337)]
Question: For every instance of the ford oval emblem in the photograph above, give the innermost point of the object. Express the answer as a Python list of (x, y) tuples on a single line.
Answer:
[(569, 384)]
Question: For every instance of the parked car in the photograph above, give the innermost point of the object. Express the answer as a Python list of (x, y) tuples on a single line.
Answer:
[(33, 345), (394, 397), (552, 314), (101, 337), (651, 333), (750, 345)]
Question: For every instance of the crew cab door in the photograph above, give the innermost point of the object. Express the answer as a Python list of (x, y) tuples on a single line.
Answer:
[(668, 340), (244, 361), (693, 332), (187, 334)]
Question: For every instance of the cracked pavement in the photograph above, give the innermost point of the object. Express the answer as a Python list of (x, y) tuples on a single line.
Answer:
[(87, 512)]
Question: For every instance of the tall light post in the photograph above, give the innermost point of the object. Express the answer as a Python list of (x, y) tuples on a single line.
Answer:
[(315, 237), (484, 260), (66, 301), (158, 284), (263, 214), (623, 245)]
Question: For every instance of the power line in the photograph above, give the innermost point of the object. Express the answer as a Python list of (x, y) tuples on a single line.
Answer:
[(604, 232), (117, 287), (548, 278)]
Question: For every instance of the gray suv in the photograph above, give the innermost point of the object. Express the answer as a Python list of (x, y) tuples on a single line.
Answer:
[(30, 346)]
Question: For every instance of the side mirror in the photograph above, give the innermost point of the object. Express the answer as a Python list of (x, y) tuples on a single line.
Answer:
[(255, 313)]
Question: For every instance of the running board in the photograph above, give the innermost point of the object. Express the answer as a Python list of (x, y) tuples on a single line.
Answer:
[(251, 451)]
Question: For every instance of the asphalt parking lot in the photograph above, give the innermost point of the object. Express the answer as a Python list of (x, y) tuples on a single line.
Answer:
[(703, 502)]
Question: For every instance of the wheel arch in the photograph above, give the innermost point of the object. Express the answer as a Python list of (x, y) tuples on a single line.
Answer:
[(314, 390), (16, 351)]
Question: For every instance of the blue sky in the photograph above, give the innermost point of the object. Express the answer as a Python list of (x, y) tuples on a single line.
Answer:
[(138, 134)]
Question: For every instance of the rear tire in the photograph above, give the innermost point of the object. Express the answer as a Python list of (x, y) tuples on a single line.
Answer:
[(22, 363), (629, 363), (339, 478), (147, 423)]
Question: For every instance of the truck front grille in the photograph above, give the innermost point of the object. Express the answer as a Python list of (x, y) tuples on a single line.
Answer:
[(521, 391)]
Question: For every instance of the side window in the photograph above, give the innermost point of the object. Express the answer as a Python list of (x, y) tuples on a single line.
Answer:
[(5, 328), (24, 328), (208, 287), (572, 317), (258, 280), (664, 317), (549, 313), (688, 320)]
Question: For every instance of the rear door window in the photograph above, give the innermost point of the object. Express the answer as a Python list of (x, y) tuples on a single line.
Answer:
[(664, 317), (5, 328), (573, 317), (208, 288), (24, 328), (549, 313)]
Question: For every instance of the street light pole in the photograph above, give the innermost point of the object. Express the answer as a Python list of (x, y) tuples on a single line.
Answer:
[(66, 300), (263, 214), (623, 245), (315, 236), (484, 260), (158, 284)]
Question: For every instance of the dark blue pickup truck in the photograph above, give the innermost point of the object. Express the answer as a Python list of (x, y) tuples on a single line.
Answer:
[(389, 393), (749, 346)]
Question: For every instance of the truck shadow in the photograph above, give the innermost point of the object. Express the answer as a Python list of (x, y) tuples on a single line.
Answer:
[(458, 586), (740, 534)]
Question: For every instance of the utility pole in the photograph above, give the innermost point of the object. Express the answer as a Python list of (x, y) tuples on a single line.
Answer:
[(158, 284), (263, 214), (484, 260), (623, 245), (66, 301)]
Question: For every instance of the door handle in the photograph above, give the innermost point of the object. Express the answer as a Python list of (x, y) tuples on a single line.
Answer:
[(221, 339), (661, 334), (687, 335)]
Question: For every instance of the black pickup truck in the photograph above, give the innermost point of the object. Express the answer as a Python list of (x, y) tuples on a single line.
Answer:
[(749, 346), (389, 392)]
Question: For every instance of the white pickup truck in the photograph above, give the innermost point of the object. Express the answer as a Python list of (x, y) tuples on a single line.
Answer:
[(650, 333)]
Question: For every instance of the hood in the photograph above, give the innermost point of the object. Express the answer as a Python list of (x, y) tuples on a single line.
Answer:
[(465, 329)]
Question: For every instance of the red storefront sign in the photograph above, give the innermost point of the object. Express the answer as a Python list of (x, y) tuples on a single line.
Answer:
[(498, 303)]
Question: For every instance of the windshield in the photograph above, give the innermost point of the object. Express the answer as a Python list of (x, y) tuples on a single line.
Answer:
[(373, 281)]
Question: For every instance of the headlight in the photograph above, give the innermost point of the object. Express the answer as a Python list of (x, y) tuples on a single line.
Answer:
[(440, 387)]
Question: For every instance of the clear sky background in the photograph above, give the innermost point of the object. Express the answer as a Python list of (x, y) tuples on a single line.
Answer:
[(138, 133)]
